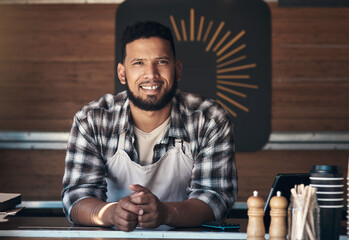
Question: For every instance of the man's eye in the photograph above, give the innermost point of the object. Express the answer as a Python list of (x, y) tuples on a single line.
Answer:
[(137, 63), (162, 61)]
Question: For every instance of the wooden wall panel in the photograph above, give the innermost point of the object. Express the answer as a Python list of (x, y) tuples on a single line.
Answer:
[(53, 60), (310, 105), (73, 45), (36, 174), (310, 82), (47, 94), (62, 32)]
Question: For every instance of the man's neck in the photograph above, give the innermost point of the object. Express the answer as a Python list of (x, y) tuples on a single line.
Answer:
[(147, 121)]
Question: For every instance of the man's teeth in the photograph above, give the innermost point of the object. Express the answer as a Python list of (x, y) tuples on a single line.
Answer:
[(150, 87)]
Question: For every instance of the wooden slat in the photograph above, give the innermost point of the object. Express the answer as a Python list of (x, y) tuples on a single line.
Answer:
[(53, 60), (311, 70), (37, 175), (310, 52), (311, 124), (48, 94), (57, 32)]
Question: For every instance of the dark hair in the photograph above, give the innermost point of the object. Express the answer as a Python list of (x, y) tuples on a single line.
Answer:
[(145, 30)]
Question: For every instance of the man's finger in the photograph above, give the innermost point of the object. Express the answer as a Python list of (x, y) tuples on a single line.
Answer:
[(136, 194), (129, 206), (141, 199), (148, 208), (127, 216), (146, 218), (150, 224), (139, 188), (126, 226)]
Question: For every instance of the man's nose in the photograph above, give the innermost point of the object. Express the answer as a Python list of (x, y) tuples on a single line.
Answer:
[(151, 72)]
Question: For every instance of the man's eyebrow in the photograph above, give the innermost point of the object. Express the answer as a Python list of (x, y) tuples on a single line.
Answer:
[(136, 59), (157, 58), (163, 57)]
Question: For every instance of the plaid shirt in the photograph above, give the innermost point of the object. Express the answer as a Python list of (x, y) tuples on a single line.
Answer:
[(204, 124)]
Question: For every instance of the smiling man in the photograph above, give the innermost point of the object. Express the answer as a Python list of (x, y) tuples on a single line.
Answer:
[(153, 154)]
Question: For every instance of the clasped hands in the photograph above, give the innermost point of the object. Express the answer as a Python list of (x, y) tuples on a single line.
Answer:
[(142, 208)]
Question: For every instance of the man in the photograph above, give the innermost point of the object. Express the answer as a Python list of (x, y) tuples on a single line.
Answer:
[(153, 154)]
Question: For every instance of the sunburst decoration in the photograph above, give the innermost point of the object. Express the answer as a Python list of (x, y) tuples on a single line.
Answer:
[(227, 53)]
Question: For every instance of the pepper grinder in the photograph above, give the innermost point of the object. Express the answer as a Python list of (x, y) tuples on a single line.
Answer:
[(255, 225)]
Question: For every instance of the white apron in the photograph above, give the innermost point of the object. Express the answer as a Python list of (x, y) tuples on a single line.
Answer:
[(168, 178)]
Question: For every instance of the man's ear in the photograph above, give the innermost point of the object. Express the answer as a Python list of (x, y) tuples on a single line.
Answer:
[(179, 70), (121, 73)]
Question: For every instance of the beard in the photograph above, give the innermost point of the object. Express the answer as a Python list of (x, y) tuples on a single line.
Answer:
[(151, 103)]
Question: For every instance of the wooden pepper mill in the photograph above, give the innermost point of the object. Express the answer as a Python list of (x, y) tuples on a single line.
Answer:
[(255, 225), (277, 229)]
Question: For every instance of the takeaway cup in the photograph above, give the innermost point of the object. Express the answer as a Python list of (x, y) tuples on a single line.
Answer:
[(329, 183)]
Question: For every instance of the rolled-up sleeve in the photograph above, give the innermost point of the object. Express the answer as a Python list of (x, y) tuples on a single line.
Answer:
[(84, 167), (214, 177)]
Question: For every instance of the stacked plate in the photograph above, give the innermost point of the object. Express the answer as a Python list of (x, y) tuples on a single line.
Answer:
[(330, 185)]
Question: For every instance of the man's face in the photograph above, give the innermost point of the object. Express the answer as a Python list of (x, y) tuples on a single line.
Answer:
[(150, 72)]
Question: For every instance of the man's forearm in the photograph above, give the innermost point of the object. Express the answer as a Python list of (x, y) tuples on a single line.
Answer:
[(189, 213), (91, 212)]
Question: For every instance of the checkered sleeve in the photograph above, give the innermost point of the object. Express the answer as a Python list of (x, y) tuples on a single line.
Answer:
[(214, 176), (84, 168)]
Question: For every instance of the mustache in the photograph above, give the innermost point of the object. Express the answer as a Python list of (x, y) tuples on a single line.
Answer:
[(151, 81)]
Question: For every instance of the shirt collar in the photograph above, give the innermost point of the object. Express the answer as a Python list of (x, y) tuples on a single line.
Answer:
[(125, 117), (177, 129)]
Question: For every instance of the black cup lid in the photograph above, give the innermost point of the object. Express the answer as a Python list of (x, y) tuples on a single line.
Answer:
[(325, 170)]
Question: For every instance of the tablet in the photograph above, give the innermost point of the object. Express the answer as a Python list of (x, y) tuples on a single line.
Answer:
[(283, 182)]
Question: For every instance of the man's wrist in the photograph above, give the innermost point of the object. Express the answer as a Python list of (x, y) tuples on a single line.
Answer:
[(105, 214), (170, 213), (189, 213), (92, 212)]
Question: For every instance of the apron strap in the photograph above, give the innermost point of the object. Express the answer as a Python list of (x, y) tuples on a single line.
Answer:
[(121, 144), (178, 143)]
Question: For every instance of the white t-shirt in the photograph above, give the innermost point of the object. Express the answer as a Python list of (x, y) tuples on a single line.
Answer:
[(145, 142)]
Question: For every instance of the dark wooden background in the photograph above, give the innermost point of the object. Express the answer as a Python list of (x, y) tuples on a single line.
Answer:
[(56, 58)]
